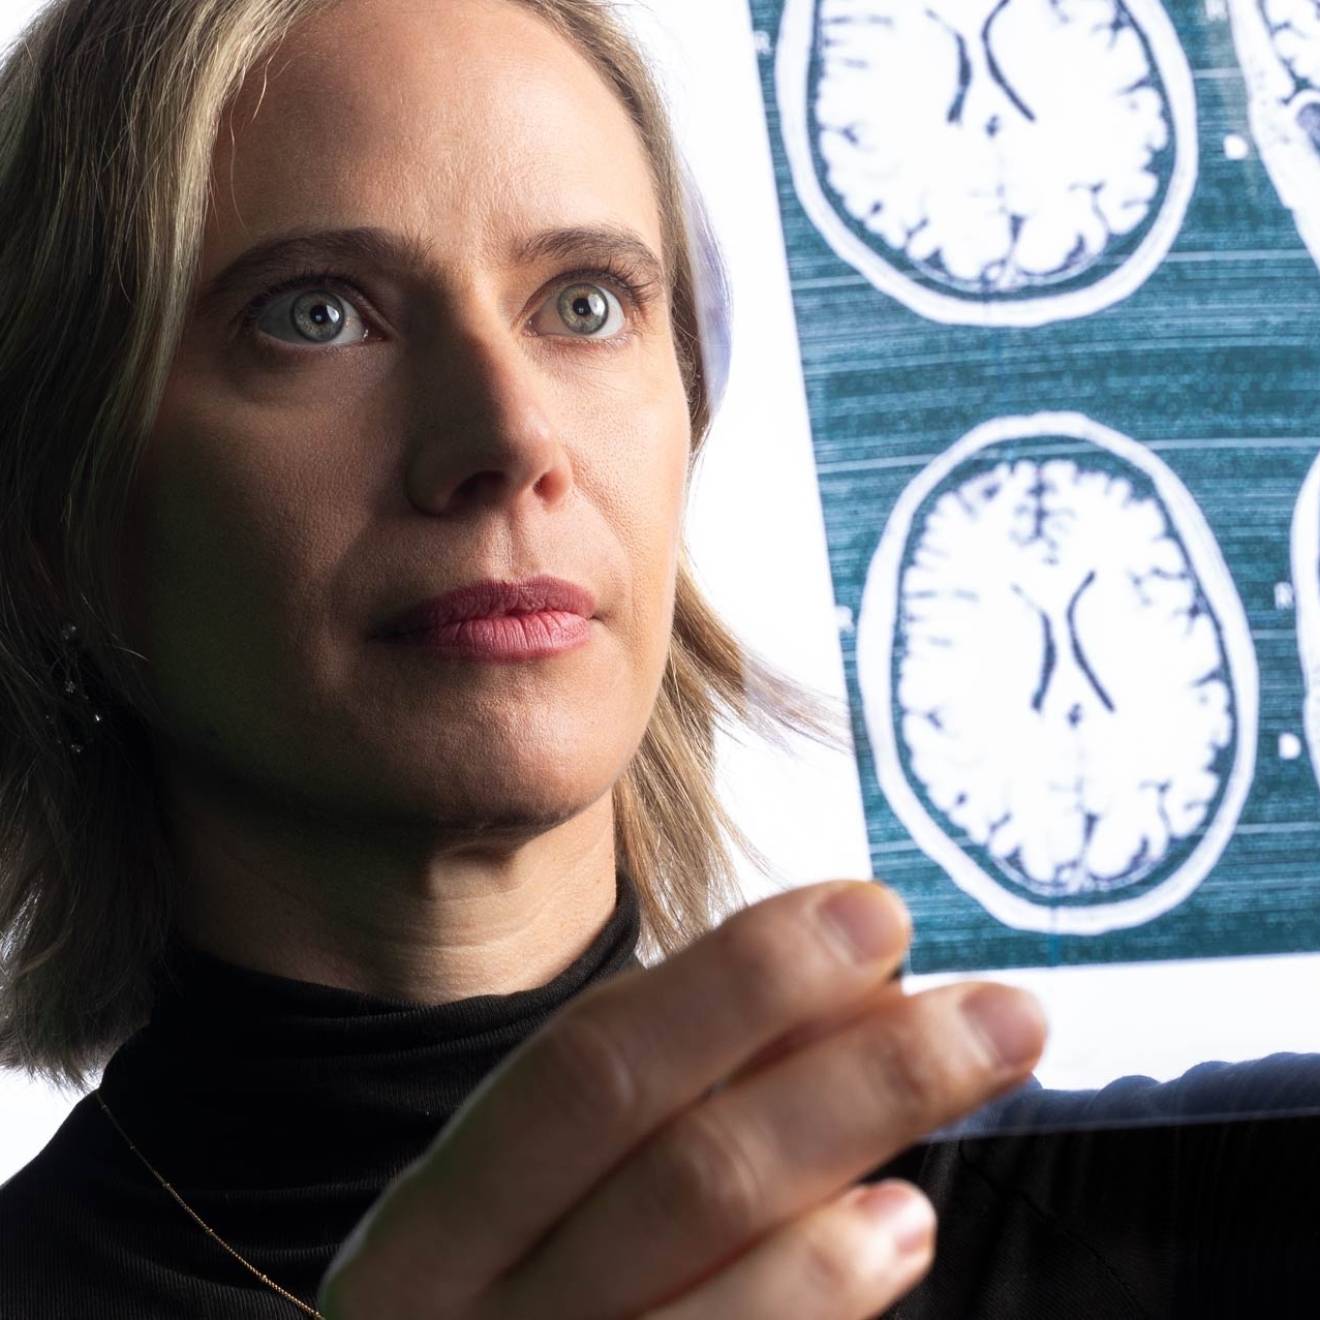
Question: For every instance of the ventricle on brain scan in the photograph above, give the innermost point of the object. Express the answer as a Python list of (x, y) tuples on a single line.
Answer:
[(997, 162), (1057, 675)]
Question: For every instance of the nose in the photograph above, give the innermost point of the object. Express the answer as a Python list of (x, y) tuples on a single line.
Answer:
[(484, 428)]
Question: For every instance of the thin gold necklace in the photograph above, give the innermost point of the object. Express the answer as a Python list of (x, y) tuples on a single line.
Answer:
[(302, 1306)]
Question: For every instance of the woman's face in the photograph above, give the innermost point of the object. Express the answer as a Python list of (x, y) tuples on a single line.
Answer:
[(300, 488)]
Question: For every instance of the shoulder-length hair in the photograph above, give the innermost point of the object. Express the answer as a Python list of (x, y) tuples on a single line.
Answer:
[(109, 113)]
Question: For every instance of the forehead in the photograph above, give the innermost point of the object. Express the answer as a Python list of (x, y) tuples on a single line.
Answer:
[(469, 121)]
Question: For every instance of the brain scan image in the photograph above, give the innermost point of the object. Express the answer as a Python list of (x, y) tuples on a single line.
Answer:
[(1057, 674), (1305, 549), (990, 162), (1278, 48)]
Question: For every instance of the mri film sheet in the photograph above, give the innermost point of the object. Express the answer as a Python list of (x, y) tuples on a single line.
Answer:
[(1054, 273)]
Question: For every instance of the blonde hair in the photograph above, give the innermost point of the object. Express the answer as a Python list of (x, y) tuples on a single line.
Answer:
[(109, 112)]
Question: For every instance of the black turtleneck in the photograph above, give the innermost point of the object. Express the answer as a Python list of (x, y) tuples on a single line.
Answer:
[(281, 1109), (278, 1110)]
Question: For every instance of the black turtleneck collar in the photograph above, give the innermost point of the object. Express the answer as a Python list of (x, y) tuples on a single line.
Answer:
[(245, 1083)]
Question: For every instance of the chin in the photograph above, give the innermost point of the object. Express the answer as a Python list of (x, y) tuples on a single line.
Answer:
[(532, 789)]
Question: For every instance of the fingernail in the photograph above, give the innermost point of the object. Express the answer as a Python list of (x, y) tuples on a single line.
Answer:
[(904, 1214), (1009, 1021), (864, 922)]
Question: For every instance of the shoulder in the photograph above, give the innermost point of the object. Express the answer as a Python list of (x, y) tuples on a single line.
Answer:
[(1142, 1198), (61, 1251), (1277, 1086)]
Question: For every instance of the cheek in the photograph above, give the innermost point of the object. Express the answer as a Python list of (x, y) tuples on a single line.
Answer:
[(645, 448), (677, 470), (658, 485), (221, 550)]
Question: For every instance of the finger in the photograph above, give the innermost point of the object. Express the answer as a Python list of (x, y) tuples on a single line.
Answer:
[(620, 1061), (762, 1152), (809, 1032), (847, 1260)]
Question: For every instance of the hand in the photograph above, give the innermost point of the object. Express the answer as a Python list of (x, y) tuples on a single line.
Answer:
[(599, 1173)]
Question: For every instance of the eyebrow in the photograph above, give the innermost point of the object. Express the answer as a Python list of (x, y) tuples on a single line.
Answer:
[(410, 254)]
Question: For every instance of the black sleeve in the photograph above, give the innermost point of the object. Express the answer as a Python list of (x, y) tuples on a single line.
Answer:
[(1215, 1215)]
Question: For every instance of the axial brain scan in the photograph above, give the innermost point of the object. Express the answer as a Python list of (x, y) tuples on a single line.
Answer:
[(991, 162), (1058, 676), (1278, 47)]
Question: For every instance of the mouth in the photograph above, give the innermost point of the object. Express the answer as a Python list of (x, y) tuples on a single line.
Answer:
[(506, 637), (489, 600)]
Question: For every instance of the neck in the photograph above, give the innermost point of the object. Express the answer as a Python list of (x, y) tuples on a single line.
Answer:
[(396, 911)]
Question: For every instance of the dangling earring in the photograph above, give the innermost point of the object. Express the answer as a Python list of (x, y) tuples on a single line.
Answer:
[(87, 719)]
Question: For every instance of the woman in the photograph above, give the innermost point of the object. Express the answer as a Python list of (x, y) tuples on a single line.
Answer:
[(322, 310), (410, 310)]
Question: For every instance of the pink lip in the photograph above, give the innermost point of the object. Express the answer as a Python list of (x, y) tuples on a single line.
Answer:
[(542, 615), (508, 637)]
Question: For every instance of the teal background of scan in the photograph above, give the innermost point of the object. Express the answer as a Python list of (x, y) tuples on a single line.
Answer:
[(1214, 364)]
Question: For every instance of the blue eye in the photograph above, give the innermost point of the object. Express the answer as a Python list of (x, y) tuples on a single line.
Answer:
[(585, 309), (313, 316)]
